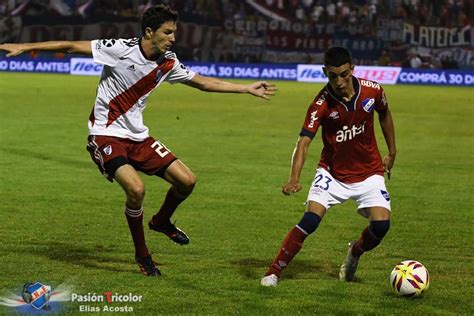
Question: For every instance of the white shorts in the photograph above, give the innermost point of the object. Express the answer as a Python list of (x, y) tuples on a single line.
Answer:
[(328, 191)]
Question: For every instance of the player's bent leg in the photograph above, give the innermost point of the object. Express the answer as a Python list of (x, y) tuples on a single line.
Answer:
[(293, 242), (371, 237), (181, 177), (132, 184), (134, 188), (183, 181), (374, 233), (378, 213), (316, 208)]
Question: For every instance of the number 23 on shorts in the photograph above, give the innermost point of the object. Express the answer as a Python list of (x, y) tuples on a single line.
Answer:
[(321, 182)]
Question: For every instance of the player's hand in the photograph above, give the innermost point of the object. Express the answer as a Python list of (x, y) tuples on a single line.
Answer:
[(388, 162), (12, 49), (290, 188), (262, 89)]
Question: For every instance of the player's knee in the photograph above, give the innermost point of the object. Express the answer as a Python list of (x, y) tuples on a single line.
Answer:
[(379, 228), (136, 192), (187, 185), (191, 182)]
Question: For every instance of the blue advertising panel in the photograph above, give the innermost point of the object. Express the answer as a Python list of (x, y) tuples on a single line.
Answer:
[(293, 72), (245, 71), (35, 65), (436, 77)]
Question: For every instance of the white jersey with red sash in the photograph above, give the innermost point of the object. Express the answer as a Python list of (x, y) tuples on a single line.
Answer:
[(127, 79)]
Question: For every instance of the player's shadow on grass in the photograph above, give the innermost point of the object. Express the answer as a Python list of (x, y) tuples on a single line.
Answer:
[(252, 268), (24, 152), (93, 257)]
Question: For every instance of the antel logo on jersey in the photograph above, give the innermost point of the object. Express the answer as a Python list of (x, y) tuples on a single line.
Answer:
[(85, 67), (347, 133), (368, 104)]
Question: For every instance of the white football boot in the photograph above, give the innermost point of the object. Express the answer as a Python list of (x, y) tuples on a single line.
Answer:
[(269, 280), (349, 267)]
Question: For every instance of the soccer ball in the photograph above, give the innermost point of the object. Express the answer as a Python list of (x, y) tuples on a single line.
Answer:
[(410, 278)]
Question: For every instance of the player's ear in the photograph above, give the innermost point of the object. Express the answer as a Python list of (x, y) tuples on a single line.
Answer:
[(148, 33), (325, 72)]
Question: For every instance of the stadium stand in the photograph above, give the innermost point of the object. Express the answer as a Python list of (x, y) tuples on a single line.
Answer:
[(409, 33)]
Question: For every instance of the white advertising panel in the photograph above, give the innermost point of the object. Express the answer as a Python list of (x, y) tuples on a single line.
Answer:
[(384, 75), (85, 67)]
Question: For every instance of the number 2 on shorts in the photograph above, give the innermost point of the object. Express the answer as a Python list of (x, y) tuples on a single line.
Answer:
[(161, 150)]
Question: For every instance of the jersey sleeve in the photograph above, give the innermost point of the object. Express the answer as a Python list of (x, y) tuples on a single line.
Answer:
[(314, 116), (107, 51), (180, 73), (382, 103)]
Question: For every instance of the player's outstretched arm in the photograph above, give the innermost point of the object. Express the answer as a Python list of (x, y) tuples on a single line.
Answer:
[(260, 89), (71, 47), (297, 162), (388, 130)]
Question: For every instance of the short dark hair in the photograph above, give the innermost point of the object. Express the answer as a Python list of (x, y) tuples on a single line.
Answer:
[(337, 56), (156, 16)]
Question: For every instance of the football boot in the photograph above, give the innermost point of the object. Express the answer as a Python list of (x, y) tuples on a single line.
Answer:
[(147, 266), (349, 267), (170, 230)]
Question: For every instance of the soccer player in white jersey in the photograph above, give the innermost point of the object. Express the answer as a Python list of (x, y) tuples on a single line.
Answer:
[(350, 167), (119, 142)]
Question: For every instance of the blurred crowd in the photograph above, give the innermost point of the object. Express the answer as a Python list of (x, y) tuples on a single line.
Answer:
[(348, 13), (447, 13), (100, 8), (433, 12)]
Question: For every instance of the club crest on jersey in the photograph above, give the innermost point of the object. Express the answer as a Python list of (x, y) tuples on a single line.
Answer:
[(368, 104), (108, 42), (108, 150), (385, 195)]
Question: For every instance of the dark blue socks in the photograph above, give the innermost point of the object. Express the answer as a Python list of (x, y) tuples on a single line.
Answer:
[(309, 222)]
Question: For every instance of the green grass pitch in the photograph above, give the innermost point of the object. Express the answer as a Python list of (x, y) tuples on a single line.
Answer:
[(62, 222)]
